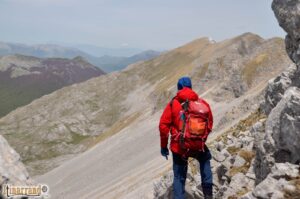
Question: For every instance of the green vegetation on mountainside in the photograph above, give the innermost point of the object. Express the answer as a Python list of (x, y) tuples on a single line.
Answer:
[(251, 68), (16, 95)]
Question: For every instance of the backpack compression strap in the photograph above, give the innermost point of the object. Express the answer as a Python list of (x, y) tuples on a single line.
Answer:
[(185, 106)]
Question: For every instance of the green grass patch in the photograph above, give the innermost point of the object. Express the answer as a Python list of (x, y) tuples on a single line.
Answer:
[(14, 95), (242, 126), (49, 153), (77, 138)]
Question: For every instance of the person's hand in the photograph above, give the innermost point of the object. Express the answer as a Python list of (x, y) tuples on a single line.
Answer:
[(164, 152)]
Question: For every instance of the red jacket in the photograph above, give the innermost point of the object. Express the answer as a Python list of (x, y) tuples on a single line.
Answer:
[(169, 121)]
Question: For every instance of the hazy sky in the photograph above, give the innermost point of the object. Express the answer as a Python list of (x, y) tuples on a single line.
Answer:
[(155, 24)]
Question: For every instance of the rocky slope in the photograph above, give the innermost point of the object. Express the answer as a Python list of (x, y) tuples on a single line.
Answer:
[(12, 170), (121, 116), (24, 78), (261, 161)]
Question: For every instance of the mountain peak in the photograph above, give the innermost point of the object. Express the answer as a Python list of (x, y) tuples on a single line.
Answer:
[(79, 59), (248, 36)]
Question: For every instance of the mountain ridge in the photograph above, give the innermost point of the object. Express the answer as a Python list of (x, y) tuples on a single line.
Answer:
[(106, 62), (25, 78)]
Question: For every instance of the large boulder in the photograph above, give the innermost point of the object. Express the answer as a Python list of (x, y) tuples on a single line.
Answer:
[(277, 87), (287, 13), (282, 135)]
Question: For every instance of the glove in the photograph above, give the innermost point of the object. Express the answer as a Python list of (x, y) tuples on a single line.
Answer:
[(164, 152)]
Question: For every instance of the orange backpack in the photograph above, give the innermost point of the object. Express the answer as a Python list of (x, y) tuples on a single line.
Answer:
[(194, 118)]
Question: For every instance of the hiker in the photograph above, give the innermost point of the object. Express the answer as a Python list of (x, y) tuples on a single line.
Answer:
[(189, 120)]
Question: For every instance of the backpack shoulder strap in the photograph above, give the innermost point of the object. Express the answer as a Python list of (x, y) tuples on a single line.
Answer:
[(171, 102), (184, 104)]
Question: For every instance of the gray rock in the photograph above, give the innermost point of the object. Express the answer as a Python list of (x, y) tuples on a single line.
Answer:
[(239, 161), (225, 153), (257, 127), (220, 172), (247, 143), (162, 189), (219, 146), (283, 126), (248, 195), (288, 15), (282, 135), (269, 188), (217, 156), (238, 182), (277, 182), (277, 87), (281, 170), (12, 170)]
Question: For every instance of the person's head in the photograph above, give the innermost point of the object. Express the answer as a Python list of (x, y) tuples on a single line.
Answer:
[(184, 82)]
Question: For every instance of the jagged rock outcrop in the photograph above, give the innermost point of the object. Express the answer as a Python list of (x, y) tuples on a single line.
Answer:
[(282, 130), (288, 15), (12, 170), (278, 143), (277, 87)]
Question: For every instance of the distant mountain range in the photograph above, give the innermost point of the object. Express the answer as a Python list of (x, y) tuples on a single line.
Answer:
[(106, 59), (25, 78), (101, 51), (110, 63)]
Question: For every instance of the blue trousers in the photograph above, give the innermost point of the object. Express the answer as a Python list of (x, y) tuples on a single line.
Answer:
[(180, 166)]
